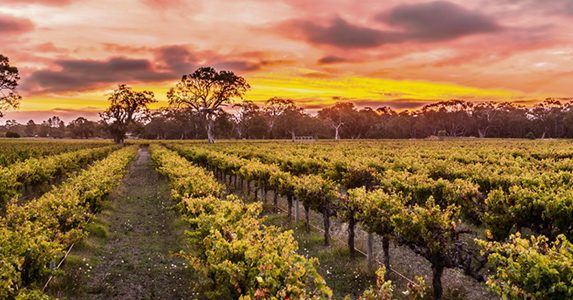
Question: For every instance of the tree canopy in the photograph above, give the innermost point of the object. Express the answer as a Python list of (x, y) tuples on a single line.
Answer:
[(9, 78), (126, 107), (206, 90)]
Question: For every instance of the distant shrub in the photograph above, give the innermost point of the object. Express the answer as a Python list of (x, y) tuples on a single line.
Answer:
[(442, 134), (11, 134), (530, 135)]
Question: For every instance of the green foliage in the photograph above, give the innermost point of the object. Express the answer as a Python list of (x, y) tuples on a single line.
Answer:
[(40, 170), (542, 211), (11, 134), (385, 291), (531, 268), (418, 192), (316, 192), (242, 257), (185, 181), (36, 233), (429, 228), (12, 151), (376, 209)]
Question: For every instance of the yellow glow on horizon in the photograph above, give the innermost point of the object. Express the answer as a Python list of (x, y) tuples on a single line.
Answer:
[(308, 91), (326, 91)]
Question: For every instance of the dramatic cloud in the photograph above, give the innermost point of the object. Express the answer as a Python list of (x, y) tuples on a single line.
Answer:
[(331, 60), (11, 25), (439, 20), (424, 22), (246, 65), (341, 34), (366, 50), (177, 59), (77, 75), (169, 63)]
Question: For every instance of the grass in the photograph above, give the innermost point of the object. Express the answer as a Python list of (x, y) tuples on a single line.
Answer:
[(343, 275), (130, 250)]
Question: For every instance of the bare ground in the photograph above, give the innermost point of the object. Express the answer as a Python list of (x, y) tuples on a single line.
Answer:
[(131, 250)]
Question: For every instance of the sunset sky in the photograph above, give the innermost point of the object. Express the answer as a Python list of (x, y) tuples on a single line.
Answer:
[(398, 53)]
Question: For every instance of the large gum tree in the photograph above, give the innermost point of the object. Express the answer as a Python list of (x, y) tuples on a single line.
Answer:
[(207, 91), (126, 107), (9, 77)]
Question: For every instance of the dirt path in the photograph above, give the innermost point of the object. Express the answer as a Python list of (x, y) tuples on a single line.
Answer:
[(135, 260)]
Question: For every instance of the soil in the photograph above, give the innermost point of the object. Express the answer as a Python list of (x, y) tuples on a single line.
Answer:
[(133, 246)]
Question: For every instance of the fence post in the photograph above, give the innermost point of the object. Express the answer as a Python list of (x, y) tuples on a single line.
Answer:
[(296, 211), (370, 252)]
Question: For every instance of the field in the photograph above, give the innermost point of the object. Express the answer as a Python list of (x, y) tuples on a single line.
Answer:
[(390, 219)]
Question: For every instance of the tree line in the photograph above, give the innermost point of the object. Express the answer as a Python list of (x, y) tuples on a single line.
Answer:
[(201, 107), (281, 118)]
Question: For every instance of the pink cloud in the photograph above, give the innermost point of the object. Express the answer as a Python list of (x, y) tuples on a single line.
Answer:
[(10, 25), (91, 44), (40, 2)]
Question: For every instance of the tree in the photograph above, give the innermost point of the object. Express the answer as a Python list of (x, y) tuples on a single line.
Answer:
[(549, 116), (250, 121), (54, 127), (14, 129), (30, 128), (9, 77), (206, 91), (485, 115), (127, 106), (290, 122), (365, 122), (185, 123), (82, 128), (337, 116), (225, 125), (451, 116), (274, 108)]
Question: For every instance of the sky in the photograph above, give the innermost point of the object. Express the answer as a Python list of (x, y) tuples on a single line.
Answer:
[(403, 54)]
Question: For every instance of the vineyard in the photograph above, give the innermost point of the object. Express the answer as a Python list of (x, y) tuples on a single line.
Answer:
[(454, 219)]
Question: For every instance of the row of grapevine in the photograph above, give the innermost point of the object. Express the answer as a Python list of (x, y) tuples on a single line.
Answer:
[(16, 151), (409, 213), (516, 197), (241, 256), (322, 195), (484, 164), (495, 158), (34, 235), (16, 177)]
